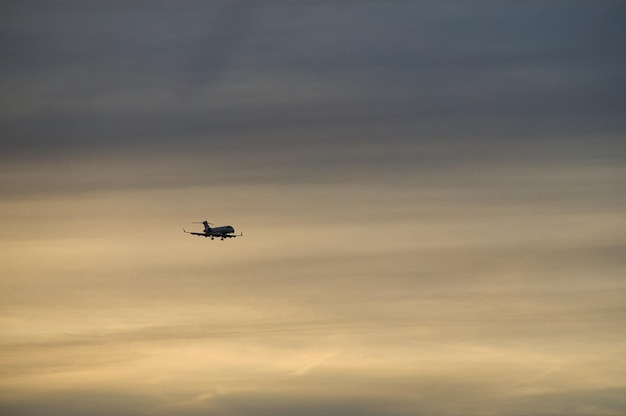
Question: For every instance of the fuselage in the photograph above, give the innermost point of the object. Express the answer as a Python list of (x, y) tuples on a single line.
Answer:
[(220, 231)]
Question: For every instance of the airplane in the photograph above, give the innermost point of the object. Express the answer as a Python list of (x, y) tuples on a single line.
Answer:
[(223, 232)]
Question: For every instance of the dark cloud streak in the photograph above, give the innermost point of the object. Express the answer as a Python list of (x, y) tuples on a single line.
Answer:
[(557, 67)]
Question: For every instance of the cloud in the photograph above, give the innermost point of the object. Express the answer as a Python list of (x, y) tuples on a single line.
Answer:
[(421, 395), (95, 403), (201, 74), (431, 197)]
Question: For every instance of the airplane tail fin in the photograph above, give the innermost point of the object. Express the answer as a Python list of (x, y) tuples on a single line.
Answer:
[(207, 227)]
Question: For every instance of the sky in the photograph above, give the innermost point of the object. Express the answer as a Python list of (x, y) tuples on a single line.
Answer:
[(431, 195)]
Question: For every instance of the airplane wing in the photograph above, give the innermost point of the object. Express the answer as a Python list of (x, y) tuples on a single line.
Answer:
[(233, 235), (200, 234), (214, 235)]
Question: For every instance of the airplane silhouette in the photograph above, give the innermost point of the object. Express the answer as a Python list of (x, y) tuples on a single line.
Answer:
[(225, 231)]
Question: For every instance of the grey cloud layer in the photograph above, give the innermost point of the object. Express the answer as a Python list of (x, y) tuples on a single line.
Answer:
[(103, 78)]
